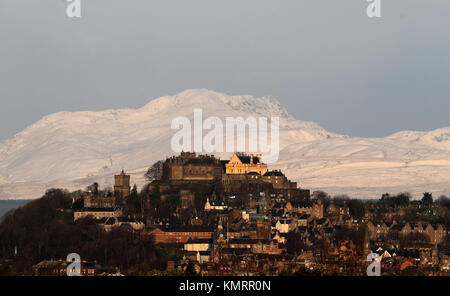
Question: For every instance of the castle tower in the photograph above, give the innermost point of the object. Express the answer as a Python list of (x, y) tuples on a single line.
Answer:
[(122, 185)]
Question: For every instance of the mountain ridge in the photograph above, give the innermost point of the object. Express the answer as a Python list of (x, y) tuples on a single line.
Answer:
[(74, 148)]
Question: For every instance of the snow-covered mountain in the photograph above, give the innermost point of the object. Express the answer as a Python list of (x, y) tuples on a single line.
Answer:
[(74, 149)]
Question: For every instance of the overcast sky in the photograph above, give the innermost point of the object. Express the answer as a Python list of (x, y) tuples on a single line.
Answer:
[(325, 60)]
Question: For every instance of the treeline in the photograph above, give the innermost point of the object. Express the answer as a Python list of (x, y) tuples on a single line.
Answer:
[(357, 207), (405, 199), (44, 229)]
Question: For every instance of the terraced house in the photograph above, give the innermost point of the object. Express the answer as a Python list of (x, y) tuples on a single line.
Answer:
[(435, 233)]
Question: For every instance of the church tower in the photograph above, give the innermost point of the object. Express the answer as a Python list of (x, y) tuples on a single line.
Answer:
[(122, 185), (220, 241)]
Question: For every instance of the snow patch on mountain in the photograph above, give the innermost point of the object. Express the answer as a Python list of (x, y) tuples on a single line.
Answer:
[(438, 139)]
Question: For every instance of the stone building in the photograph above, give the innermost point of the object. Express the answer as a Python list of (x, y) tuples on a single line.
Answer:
[(250, 183), (244, 164), (313, 208), (435, 233), (122, 185), (243, 175), (272, 183), (278, 180), (178, 233), (334, 210), (93, 199), (378, 230), (212, 206), (263, 229), (98, 213), (188, 167)]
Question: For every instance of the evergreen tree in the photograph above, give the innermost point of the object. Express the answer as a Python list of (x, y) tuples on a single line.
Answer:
[(155, 197), (133, 201), (427, 199)]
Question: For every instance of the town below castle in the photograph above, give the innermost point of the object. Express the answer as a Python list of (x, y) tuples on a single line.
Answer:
[(237, 217)]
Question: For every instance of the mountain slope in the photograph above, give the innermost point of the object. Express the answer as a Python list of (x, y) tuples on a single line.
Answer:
[(368, 167), (74, 149)]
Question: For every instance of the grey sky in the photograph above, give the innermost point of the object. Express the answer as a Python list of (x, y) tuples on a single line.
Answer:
[(323, 59)]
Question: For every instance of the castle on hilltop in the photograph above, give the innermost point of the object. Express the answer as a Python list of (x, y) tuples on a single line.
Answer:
[(242, 173), (190, 167)]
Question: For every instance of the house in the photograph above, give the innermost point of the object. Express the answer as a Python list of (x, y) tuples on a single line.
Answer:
[(284, 225), (301, 220), (266, 247), (213, 207), (377, 230), (435, 233), (314, 208), (338, 210)]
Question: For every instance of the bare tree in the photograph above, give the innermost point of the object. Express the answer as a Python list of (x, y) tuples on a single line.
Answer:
[(155, 171)]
